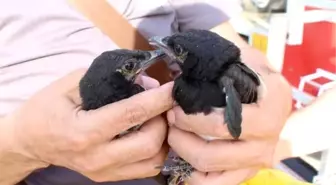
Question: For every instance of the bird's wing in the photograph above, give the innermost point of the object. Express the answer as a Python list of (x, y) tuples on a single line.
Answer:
[(233, 109)]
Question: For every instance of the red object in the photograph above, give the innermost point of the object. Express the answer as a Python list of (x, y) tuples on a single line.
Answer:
[(318, 50)]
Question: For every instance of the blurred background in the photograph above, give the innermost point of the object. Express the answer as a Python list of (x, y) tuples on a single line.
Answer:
[(299, 39)]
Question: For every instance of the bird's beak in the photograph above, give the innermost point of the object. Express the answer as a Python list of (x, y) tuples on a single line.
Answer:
[(161, 43), (153, 57)]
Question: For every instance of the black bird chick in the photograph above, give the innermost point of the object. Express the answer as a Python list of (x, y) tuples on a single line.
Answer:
[(111, 77), (212, 76)]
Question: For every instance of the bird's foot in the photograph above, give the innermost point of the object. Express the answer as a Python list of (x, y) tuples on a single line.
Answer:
[(180, 171)]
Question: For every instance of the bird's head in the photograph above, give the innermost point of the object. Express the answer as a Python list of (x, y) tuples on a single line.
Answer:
[(130, 63), (198, 52)]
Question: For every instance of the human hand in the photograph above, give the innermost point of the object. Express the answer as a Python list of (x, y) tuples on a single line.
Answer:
[(51, 127), (232, 162)]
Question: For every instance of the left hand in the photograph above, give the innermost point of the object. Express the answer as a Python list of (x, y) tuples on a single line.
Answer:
[(228, 162)]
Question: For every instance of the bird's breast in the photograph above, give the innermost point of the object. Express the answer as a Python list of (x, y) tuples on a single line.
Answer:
[(197, 96)]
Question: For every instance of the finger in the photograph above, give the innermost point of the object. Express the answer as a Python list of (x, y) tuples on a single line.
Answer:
[(139, 170), (219, 155), (228, 177), (148, 167), (138, 80), (119, 116), (149, 83), (136, 146), (213, 124)]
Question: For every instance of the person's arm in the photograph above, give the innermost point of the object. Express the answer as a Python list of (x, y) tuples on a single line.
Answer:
[(13, 166), (309, 129)]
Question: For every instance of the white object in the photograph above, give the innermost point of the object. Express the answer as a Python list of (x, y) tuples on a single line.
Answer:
[(298, 16), (327, 172)]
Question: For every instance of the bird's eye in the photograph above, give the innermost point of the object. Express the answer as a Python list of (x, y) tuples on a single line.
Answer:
[(129, 66), (178, 49)]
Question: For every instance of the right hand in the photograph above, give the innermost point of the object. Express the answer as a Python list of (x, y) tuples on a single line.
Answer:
[(51, 128)]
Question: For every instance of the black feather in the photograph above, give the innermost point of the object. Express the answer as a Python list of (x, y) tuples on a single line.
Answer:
[(102, 84), (212, 76), (209, 58)]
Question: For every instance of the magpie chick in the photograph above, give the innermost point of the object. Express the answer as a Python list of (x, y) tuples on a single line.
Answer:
[(212, 76), (111, 77)]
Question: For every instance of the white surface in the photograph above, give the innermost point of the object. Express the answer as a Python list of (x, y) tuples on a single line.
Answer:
[(327, 172), (327, 4), (295, 10), (242, 25), (321, 142), (298, 16), (277, 36)]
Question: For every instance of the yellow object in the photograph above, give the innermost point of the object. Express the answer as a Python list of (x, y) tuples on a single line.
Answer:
[(259, 41), (273, 177)]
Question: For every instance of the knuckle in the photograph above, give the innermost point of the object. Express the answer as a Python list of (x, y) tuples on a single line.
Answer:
[(136, 114), (151, 148), (170, 139), (78, 142)]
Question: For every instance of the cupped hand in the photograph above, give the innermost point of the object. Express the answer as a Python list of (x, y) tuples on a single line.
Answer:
[(224, 161), (52, 128)]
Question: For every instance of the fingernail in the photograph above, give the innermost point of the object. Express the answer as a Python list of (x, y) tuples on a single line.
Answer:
[(171, 117)]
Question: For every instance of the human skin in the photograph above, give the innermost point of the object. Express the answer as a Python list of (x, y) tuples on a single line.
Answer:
[(50, 128), (262, 124)]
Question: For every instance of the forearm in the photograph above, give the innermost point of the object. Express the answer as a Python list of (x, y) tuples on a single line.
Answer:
[(13, 166), (310, 129)]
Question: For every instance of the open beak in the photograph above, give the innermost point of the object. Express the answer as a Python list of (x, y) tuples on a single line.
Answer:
[(161, 43), (152, 58)]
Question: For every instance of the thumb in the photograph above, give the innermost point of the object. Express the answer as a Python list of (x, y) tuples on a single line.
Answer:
[(149, 83), (134, 110)]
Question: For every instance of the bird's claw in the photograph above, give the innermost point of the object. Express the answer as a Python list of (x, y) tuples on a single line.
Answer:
[(180, 171)]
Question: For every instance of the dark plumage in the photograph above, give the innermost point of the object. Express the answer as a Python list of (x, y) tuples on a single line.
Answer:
[(212, 76), (111, 76)]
